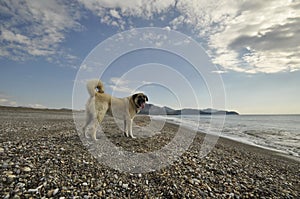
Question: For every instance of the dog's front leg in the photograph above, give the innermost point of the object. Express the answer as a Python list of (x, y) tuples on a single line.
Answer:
[(125, 128), (130, 129)]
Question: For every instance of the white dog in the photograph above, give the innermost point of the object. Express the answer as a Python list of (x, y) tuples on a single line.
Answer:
[(101, 103)]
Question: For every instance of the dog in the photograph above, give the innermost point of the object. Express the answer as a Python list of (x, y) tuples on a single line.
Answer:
[(101, 103)]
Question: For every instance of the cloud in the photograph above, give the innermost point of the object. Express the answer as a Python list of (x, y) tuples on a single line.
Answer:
[(250, 37), (36, 28), (127, 86), (243, 36), (86, 67), (115, 14), (219, 71), (39, 106), (118, 12), (137, 8), (120, 85), (7, 102), (119, 81)]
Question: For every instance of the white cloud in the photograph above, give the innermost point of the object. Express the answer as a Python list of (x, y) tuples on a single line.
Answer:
[(244, 36), (126, 86), (6, 100), (9, 102), (122, 89), (251, 36), (39, 106), (33, 28), (119, 81), (120, 85), (115, 14), (167, 28), (110, 11), (219, 71), (86, 67), (12, 37), (137, 8)]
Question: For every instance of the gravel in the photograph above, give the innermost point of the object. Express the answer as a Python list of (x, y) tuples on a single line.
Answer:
[(42, 156)]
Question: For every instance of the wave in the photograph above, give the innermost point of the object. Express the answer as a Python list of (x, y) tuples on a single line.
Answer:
[(277, 133)]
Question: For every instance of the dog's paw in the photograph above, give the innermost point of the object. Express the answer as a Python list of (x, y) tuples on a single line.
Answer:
[(133, 137)]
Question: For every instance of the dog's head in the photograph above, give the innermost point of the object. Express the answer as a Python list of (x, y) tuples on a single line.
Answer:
[(140, 100)]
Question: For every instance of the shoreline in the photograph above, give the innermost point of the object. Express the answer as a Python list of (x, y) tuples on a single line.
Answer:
[(275, 152), (261, 149), (249, 146), (243, 141), (42, 155)]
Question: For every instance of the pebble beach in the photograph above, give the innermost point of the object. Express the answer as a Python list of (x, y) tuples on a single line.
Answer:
[(42, 156)]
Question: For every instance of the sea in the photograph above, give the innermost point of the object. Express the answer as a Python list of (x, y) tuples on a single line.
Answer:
[(280, 133)]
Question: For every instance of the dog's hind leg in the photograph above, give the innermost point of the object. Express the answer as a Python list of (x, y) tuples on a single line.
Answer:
[(89, 118), (94, 129), (96, 122)]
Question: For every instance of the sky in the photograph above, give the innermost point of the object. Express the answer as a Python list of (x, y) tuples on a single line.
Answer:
[(225, 54)]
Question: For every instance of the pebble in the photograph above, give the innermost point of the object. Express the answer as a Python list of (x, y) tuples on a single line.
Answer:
[(120, 183), (125, 186), (58, 162), (55, 191), (11, 177), (196, 181), (52, 192), (208, 188), (26, 169)]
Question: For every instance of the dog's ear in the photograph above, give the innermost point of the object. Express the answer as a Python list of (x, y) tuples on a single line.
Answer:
[(146, 98), (134, 96)]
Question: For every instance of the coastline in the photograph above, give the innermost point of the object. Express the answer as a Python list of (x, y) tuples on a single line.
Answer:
[(249, 134), (43, 156)]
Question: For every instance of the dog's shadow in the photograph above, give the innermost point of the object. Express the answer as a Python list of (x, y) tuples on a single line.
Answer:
[(147, 138)]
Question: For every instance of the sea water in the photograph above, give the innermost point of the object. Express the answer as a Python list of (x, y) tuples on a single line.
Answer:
[(275, 132)]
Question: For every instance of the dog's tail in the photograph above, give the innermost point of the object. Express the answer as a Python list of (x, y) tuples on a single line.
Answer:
[(94, 86)]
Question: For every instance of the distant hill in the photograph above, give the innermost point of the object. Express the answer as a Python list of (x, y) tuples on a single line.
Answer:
[(33, 109), (151, 109)]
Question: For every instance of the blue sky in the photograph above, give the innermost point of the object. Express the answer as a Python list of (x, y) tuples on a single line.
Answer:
[(254, 46)]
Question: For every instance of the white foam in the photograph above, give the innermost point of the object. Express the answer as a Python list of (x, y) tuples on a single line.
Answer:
[(276, 133)]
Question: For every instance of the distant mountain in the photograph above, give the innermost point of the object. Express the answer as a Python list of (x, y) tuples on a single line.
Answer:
[(151, 109), (34, 109)]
